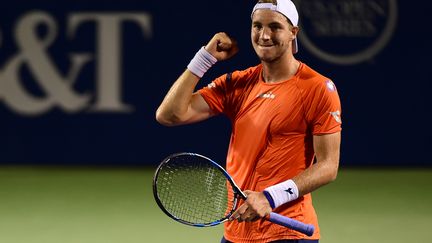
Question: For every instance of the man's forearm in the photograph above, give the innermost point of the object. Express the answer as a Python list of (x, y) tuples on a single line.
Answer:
[(317, 175)]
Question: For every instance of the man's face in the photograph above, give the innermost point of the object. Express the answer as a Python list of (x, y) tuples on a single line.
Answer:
[(271, 35)]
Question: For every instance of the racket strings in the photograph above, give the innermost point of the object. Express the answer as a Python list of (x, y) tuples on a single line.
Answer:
[(194, 191)]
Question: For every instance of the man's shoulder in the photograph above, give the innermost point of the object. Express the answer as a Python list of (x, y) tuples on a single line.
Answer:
[(246, 74), (310, 78)]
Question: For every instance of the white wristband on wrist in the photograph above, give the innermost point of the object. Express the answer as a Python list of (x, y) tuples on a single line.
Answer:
[(281, 193), (201, 62)]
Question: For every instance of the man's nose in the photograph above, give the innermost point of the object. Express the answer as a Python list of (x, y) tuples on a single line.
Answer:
[(265, 33)]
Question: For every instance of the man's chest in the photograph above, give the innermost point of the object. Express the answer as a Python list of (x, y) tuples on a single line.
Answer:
[(274, 109)]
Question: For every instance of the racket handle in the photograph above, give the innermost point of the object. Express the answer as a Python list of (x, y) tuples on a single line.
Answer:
[(306, 229)]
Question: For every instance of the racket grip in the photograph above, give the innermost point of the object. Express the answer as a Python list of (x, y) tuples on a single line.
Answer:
[(306, 229)]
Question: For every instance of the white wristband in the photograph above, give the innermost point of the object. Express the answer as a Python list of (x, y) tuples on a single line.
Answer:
[(201, 62), (281, 193)]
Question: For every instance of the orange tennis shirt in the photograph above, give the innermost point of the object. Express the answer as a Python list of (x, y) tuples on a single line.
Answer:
[(271, 141)]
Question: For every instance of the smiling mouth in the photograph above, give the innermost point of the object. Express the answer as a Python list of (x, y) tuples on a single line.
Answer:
[(265, 45)]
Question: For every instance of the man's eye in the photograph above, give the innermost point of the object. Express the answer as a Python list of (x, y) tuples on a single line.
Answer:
[(258, 27), (275, 27)]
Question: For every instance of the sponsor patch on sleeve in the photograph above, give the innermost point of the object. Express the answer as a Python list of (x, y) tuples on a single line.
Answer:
[(330, 85)]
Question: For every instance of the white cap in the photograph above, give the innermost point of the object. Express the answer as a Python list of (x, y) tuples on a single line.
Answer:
[(287, 9)]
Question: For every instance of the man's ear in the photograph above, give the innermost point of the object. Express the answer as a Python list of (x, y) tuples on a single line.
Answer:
[(294, 31)]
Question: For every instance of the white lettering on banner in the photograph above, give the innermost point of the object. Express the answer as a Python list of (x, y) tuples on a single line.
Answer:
[(362, 27), (58, 89), (108, 43)]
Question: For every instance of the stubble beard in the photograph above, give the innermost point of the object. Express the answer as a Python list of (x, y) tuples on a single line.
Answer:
[(270, 57)]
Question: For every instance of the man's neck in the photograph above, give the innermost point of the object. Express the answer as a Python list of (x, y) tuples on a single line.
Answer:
[(280, 70)]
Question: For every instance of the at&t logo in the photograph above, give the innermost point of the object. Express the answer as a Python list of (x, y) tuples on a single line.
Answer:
[(57, 87)]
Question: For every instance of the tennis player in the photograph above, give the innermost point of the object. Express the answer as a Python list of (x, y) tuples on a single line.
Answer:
[(286, 124)]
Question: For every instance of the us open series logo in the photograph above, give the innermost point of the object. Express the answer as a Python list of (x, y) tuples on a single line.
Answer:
[(346, 32)]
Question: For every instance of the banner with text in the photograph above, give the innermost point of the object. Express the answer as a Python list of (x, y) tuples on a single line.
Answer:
[(80, 81)]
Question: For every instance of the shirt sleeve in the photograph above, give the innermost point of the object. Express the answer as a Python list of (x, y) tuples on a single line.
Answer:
[(224, 94), (324, 113), (215, 94)]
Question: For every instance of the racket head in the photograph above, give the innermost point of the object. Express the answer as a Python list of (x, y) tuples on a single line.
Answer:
[(194, 190)]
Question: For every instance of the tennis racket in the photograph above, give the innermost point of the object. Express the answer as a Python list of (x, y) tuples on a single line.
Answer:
[(194, 190)]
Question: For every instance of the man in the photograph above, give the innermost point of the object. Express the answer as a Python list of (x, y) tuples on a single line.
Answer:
[(284, 115)]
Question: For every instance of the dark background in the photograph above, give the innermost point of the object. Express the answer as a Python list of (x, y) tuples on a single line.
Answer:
[(385, 99)]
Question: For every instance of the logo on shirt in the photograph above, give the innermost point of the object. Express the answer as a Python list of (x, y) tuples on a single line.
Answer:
[(268, 95), (211, 85), (330, 85), (336, 116)]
